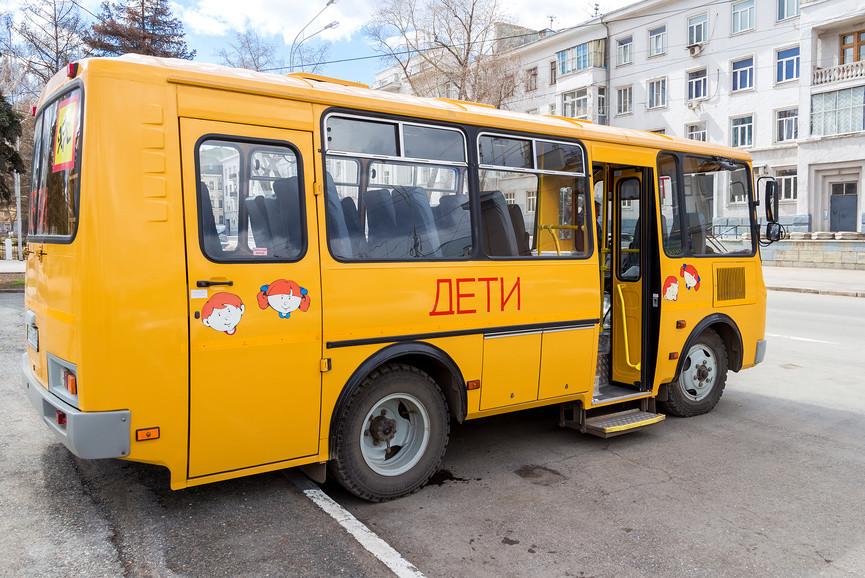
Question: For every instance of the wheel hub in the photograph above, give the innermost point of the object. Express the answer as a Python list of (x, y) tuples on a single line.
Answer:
[(382, 428)]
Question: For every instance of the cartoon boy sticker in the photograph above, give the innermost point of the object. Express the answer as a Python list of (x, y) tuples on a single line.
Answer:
[(283, 296), (222, 312), (670, 289), (691, 277)]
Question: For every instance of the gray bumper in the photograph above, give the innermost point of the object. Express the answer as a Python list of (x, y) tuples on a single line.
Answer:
[(89, 435), (761, 352)]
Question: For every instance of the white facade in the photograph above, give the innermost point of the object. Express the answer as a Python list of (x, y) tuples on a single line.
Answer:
[(741, 73)]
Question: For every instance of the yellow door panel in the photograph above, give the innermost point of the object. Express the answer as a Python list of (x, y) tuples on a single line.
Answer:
[(254, 298), (627, 285), (510, 369), (567, 362), (627, 315)]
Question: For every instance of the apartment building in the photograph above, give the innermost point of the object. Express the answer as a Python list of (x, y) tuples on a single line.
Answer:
[(784, 81)]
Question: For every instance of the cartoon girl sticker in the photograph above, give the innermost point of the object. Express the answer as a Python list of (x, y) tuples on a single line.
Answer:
[(223, 312), (691, 277), (670, 289), (283, 296)]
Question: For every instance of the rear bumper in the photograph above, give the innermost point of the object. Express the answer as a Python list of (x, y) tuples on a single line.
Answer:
[(87, 434), (760, 354)]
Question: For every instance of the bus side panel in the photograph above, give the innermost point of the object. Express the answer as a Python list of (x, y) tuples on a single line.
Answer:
[(134, 321)]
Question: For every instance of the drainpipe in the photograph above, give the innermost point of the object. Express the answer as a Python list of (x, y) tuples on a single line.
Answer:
[(607, 67)]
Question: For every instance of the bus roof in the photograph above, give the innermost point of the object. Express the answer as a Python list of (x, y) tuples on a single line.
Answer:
[(335, 92)]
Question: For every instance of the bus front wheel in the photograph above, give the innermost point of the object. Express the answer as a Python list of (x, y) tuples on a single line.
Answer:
[(702, 378), (391, 435)]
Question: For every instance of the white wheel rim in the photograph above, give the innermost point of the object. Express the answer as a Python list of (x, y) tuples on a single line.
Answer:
[(395, 434), (699, 373)]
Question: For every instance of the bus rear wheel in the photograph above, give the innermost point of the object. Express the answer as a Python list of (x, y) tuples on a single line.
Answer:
[(702, 378), (391, 435)]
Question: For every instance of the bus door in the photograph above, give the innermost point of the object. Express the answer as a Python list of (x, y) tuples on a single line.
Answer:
[(627, 279), (254, 295)]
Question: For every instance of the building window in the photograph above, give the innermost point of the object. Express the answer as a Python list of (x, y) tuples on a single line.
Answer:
[(531, 201), (657, 90), (510, 197), (743, 74), (788, 184), (743, 16), (787, 67), (657, 41), (624, 100), (697, 85), (698, 29), (838, 112), (586, 55), (742, 131), (623, 50), (575, 104), (553, 70), (532, 79), (787, 123), (602, 103), (853, 47), (696, 131), (787, 9)]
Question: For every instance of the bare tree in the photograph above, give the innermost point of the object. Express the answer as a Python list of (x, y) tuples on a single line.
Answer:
[(309, 57), (446, 48), (50, 35), (251, 50)]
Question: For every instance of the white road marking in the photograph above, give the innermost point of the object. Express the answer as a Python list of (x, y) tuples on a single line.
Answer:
[(805, 339), (383, 551)]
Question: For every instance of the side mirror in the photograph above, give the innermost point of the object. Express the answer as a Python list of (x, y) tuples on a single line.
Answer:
[(773, 232), (771, 201)]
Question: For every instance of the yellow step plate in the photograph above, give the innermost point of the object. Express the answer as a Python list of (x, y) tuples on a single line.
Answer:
[(622, 422)]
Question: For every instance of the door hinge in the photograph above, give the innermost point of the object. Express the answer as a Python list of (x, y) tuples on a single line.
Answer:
[(325, 364), (316, 188)]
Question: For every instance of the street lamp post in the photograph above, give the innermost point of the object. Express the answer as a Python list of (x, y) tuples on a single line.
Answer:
[(330, 25), (294, 43)]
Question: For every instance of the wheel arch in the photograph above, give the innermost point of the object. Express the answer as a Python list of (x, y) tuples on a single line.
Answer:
[(428, 358), (729, 333)]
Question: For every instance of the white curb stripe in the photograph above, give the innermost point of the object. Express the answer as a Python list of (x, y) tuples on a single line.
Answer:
[(383, 551)]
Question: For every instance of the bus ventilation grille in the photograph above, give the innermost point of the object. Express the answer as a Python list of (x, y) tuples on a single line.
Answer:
[(730, 283)]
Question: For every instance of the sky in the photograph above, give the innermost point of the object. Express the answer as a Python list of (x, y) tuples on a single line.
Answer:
[(212, 24)]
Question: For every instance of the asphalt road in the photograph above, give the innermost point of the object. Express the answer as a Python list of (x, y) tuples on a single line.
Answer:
[(769, 484)]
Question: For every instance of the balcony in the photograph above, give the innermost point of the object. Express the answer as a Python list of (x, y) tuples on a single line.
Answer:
[(839, 73)]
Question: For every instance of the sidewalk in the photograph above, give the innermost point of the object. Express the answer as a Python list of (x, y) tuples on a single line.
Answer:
[(11, 266), (846, 282)]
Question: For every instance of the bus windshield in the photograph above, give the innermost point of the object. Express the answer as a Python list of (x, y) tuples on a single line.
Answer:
[(713, 209)]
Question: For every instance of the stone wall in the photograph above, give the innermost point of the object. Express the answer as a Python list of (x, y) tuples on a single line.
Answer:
[(823, 254)]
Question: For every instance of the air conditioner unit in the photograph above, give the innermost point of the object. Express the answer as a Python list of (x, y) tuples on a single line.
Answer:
[(695, 49)]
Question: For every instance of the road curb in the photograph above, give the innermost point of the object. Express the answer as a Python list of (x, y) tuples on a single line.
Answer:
[(819, 291), (11, 290)]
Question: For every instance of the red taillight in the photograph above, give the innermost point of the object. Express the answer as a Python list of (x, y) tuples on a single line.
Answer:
[(61, 417), (72, 70), (70, 382), (33, 110)]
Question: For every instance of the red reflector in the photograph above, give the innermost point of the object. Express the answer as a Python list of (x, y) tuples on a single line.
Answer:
[(473, 384), (61, 417), (674, 355), (680, 324), (71, 70), (33, 111)]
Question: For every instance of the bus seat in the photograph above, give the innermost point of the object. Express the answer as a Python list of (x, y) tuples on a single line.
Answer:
[(415, 222), (287, 194), (209, 234), (337, 230), (256, 207), (498, 231), (454, 225), (451, 210), (381, 223), (352, 222), (520, 229)]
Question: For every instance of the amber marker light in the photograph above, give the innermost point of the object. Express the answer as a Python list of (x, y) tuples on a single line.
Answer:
[(70, 382), (473, 384), (146, 434)]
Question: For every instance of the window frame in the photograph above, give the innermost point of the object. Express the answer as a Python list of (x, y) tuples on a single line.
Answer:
[(554, 72), (621, 49), (779, 3), (77, 84), (797, 67), (751, 19), (534, 138), (704, 25), (650, 93), (857, 46), (618, 224), (301, 185), (781, 176), (704, 130), (687, 253), (734, 72), (630, 89), (694, 82), (732, 130), (785, 120), (652, 37), (531, 84)]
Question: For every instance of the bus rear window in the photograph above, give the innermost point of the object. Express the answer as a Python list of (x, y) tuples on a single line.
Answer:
[(56, 169)]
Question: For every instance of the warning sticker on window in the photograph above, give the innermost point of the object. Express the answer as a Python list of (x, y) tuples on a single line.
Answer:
[(260, 252), (666, 186), (66, 133)]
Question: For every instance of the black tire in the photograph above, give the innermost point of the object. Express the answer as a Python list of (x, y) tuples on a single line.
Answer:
[(680, 399), (347, 462)]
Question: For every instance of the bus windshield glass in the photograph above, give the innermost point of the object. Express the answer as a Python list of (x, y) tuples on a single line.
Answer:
[(713, 208), (56, 169)]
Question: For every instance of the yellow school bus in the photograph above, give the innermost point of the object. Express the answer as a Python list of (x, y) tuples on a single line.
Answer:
[(231, 272)]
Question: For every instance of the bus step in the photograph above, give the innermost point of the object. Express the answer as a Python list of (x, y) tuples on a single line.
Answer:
[(621, 422)]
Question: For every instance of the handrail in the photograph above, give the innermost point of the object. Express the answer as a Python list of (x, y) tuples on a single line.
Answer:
[(551, 230), (625, 332)]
